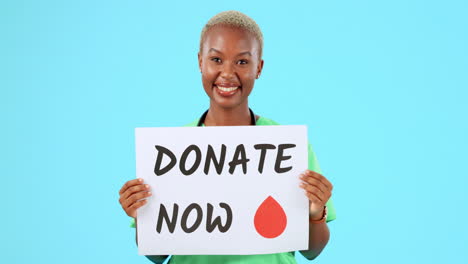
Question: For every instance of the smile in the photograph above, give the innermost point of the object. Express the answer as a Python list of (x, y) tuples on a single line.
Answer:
[(227, 89)]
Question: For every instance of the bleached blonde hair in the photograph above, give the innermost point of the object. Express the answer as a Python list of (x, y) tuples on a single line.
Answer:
[(234, 19)]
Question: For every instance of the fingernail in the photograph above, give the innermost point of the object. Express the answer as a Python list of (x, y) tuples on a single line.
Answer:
[(146, 186), (140, 179)]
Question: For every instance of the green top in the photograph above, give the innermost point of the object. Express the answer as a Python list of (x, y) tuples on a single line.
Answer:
[(283, 258)]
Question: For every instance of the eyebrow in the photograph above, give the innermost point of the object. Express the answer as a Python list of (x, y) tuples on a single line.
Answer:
[(242, 53)]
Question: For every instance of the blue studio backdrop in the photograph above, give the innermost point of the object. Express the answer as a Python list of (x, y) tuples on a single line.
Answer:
[(381, 85)]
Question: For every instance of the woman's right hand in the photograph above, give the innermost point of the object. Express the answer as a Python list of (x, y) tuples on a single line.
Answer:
[(133, 196)]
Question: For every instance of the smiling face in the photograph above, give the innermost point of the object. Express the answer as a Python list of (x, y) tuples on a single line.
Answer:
[(230, 62)]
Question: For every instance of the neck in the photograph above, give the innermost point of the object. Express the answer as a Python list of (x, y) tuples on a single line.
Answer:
[(237, 116)]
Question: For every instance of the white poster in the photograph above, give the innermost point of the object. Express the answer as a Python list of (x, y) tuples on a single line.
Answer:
[(222, 190)]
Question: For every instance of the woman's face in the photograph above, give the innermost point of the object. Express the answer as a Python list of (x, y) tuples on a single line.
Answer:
[(229, 61)]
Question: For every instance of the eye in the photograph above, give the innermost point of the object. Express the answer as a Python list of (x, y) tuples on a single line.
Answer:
[(216, 59), (242, 62)]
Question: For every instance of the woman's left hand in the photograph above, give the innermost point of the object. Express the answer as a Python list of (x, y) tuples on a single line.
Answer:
[(318, 190)]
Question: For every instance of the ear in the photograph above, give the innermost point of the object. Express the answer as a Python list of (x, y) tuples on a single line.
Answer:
[(199, 61), (259, 68)]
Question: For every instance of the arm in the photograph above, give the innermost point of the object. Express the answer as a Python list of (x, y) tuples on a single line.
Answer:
[(319, 235), (318, 191), (133, 196)]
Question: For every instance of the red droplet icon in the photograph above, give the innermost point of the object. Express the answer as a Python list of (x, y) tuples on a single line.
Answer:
[(270, 219)]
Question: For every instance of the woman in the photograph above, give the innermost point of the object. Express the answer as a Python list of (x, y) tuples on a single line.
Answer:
[(230, 60)]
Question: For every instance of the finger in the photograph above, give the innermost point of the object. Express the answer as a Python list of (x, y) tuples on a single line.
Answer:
[(313, 198), (320, 177), (136, 197), (316, 191), (312, 189), (130, 184), (314, 181), (132, 209), (135, 189)]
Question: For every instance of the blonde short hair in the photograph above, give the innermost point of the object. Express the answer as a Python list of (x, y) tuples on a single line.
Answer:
[(235, 19)]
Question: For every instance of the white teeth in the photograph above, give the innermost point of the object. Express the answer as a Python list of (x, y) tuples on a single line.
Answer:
[(227, 89)]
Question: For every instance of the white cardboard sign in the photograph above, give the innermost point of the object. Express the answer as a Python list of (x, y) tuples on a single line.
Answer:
[(222, 190)]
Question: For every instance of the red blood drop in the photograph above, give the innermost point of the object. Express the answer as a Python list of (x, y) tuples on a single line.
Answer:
[(270, 219)]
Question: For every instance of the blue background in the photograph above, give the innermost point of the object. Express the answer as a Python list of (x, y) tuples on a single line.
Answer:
[(382, 86)]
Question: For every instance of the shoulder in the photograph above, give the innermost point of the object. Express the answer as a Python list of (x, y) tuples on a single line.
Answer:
[(263, 121), (194, 123)]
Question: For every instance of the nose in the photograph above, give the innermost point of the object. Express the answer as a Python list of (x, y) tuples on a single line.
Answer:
[(227, 71)]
